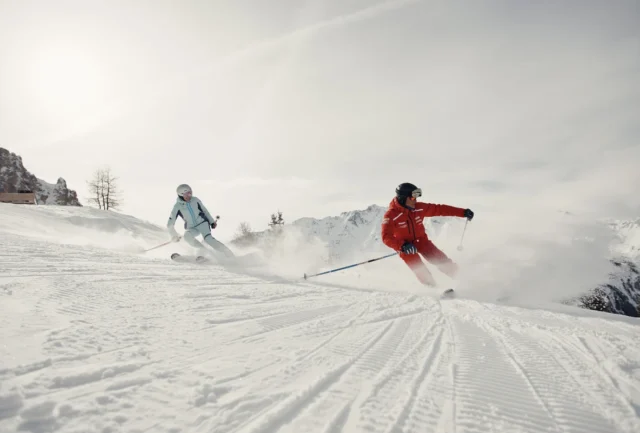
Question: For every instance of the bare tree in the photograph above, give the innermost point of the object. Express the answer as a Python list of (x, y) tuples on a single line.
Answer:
[(103, 189), (95, 186), (113, 198), (244, 229), (244, 235)]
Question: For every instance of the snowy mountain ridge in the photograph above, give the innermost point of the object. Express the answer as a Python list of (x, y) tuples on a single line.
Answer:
[(621, 294), (627, 233), (14, 177), (357, 229)]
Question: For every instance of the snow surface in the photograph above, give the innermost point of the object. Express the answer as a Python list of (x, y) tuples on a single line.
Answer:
[(100, 337)]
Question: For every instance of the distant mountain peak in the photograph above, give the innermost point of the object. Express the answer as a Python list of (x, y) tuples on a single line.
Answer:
[(14, 177)]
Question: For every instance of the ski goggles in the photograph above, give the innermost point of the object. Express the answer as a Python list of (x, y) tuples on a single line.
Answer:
[(416, 193)]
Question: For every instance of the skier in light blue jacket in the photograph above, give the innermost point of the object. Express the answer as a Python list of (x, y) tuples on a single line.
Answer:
[(197, 221)]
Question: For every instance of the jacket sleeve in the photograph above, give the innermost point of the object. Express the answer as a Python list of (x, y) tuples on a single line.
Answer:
[(388, 237), (433, 210), (205, 211), (172, 220)]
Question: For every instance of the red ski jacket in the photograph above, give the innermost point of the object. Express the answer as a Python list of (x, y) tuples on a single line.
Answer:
[(401, 224)]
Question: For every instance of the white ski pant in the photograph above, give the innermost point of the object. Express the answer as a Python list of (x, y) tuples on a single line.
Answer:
[(205, 231)]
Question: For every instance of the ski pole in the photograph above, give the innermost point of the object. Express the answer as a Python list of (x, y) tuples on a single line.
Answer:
[(350, 266), (464, 230), (161, 245)]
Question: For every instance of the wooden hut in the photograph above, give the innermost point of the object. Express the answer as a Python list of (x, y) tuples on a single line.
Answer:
[(18, 197)]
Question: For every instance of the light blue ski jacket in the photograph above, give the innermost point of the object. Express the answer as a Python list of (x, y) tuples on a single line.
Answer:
[(192, 212)]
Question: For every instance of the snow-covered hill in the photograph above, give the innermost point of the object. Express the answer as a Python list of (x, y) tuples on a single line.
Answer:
[(14, 177), (100, 337), (79, 226)]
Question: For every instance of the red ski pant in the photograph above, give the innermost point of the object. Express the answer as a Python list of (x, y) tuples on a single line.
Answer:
[(433, 255)]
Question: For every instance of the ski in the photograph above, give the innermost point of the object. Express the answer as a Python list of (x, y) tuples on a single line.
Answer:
[(177, 257), (249, 260), (449, 293)]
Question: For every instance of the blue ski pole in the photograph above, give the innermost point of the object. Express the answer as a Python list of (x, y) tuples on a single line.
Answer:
[(350, 266)]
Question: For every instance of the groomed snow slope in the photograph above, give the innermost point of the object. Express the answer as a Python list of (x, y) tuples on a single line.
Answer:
[(99, 339)]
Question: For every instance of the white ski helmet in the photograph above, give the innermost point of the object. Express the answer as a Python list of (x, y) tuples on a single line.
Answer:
[(182, 189)]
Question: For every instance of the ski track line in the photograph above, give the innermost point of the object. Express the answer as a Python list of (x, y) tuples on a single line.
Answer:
[(491, 395), (400, 315), (334, 335), (179, 362), (22, 370), (608, 370), (281, 406), (294, 318), (275, 366), (254, 300), (374, 404), (418, 411), (336, 388), (583, 360), (405, 340), (291, 320), (257, 305), (355, 385), (565, 398), (254, 311), (447, 421), (234, 320), (599, 359), (337, 422), (604, 396), (74, 389)]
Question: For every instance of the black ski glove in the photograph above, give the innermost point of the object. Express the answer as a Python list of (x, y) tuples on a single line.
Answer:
[(408, 248), (468, 214)]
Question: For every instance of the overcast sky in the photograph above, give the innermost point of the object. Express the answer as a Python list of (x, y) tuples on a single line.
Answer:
[(318, 107)]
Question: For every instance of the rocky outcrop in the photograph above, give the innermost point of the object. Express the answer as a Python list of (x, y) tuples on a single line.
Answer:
[(14, 177), (621, 294)]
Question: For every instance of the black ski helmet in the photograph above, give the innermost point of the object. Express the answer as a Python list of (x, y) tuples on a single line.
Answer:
[(404, 191)]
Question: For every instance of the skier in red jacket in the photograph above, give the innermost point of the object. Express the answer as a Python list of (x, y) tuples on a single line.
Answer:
[(403, 231)]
